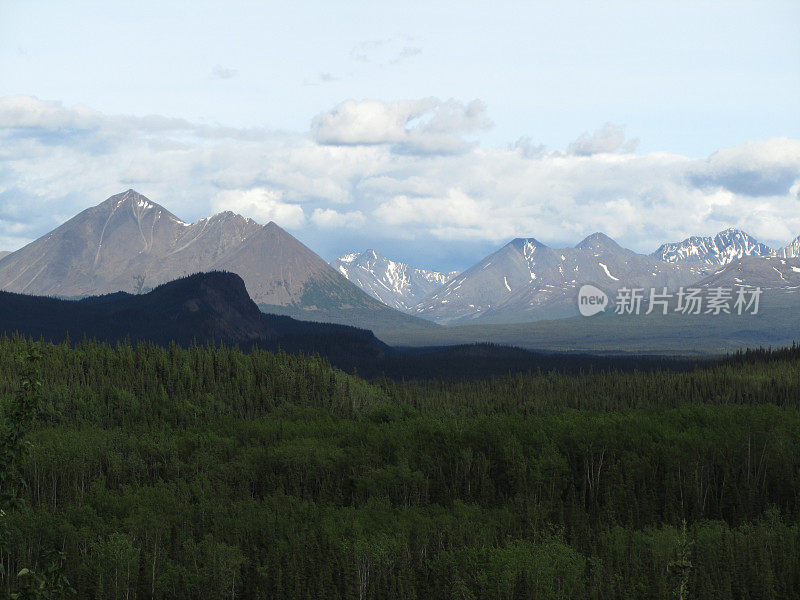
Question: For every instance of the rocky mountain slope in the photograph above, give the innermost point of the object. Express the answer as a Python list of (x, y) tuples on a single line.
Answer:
[(769, 273), (394, 283), (526, 280), (128, 243), (792, 250), (106, 248), (725, 247)]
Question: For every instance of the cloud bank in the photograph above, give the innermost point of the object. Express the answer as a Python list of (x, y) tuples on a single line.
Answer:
[(609, 138), (427, 126), (408, 172)]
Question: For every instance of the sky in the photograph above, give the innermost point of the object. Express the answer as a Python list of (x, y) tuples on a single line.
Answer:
[(433, 132)]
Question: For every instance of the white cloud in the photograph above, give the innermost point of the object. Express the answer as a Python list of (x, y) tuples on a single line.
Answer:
[(609, 138), (12, 235), (29, 112), (453, 208), (525, 146), (367, 122), (414, 126), (327, 218), (48, 119), (364, 169), (759, 168)]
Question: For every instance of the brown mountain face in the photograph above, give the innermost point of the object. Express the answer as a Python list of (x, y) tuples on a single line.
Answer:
[(278, 266), (285, 277), (203, 244), (131, 244), (105, 248)]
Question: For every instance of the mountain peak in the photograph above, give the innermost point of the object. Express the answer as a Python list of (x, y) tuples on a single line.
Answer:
[(274, 230), (792, 250), (526, 242), (735, 232), (597, 240), (228, 215), (129, 196), (394, 283), (348, 258), (726, 246), (138, 204)]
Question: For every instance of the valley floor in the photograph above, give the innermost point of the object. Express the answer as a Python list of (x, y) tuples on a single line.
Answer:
[(777, 324)]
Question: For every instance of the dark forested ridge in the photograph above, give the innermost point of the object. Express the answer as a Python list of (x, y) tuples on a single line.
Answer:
[(208, 472), (210, 308), (201, 308)]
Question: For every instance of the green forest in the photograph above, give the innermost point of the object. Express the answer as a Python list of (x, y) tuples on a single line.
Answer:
[(142, 472)]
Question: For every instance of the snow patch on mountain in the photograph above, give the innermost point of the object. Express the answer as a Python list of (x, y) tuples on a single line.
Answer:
[(394, 283), (792, 250), (725, 247), (605, 268), (526, 280)]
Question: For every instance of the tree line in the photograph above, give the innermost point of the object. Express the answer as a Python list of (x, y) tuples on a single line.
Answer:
[(211, 472)]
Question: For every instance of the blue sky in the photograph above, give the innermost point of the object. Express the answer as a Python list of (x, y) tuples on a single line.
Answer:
[(433, 131)]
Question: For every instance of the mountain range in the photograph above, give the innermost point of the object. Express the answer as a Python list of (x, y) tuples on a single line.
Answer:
[(214, 308), (128, 243), (526, 280)]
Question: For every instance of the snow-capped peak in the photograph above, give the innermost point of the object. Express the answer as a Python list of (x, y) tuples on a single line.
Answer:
[(728, 245), (394, 283), (135, 199), (792, 250), (348, 258)]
